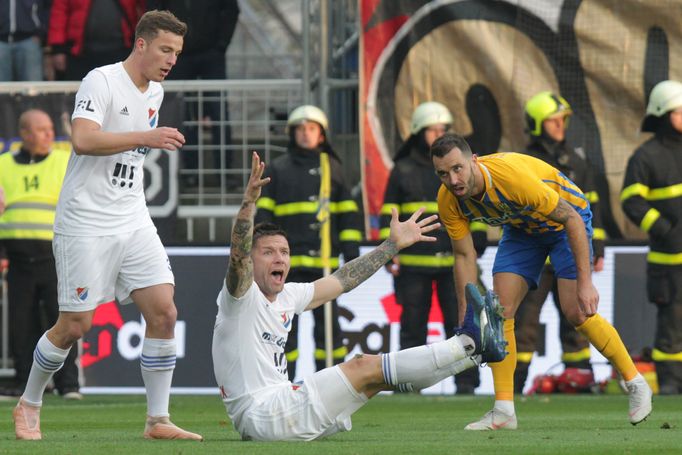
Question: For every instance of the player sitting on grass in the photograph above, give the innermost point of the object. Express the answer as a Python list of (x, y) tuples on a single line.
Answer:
[(255, 308)]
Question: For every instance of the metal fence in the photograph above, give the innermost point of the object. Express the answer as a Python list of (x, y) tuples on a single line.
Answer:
[(223, 121)]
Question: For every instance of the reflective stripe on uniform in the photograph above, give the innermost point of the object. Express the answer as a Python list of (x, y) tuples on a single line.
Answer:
[(592, 196), (426, 261), (660, 356), (36, 231), (411, 207), (657, 194), (636, 189), (291, 356), (350, 235), (668, 192), (310, 261), (524, 357), (266, 203), (477, 226), (338, 353), (599, 234), (649, 219), (656, 257), (295, 208), (31, 205), (583, 354), (386, 209)]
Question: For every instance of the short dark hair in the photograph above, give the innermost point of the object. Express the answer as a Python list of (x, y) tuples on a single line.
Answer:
[(444, 144), (154, 21), (266, 230)]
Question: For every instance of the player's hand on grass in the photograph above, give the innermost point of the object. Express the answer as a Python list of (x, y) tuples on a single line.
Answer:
[(256, 182), (164, 138), (412, 230)]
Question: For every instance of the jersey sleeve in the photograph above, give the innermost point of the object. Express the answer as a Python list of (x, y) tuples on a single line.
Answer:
[(93, 98), (524, 187), (456, 224), (301, 294), (228, 303)]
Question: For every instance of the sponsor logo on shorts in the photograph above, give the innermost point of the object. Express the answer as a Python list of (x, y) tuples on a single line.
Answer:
[(82, 293)]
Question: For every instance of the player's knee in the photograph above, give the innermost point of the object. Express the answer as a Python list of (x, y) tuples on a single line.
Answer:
[(367, 367), (164, 319), (575, 317), (69, 330)]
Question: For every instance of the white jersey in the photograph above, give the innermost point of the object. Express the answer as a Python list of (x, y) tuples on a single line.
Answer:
[(104, 195), (248, 342)]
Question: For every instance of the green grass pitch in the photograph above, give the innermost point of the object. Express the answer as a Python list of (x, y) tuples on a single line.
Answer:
[(388, 425)]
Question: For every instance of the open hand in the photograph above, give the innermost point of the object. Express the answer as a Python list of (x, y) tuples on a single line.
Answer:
[(165, 138), (256, 182), (411, 230)]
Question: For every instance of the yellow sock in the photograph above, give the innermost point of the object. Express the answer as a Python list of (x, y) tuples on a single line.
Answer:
[(605, 338), (503, 372)]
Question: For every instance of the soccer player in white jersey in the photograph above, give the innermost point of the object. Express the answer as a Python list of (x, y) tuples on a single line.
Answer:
[(105, 243), (255, 308)]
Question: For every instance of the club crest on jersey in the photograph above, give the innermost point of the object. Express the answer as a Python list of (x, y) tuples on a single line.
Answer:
[(153, 117), (286, 321), (503, 207), (82, 294)]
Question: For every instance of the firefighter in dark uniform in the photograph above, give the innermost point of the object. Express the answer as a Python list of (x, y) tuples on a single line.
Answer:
[(547, 116), (426, 266), (291, 200), (31, 180), (652, 199)]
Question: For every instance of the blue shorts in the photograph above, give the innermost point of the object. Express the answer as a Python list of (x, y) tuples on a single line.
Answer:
[(525, 254)]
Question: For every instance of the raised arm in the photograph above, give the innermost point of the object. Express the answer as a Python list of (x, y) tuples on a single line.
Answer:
[(358, 270), (588, 298), (240, 269)]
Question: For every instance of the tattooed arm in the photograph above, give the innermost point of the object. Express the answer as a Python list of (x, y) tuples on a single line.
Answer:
[(564, 213), (358, 270), (240, 268)]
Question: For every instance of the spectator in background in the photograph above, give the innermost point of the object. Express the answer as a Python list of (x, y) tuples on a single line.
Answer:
[(23, 25), (31, 180), (652, 200), (307, 174), (85, 34), (418, 268), (211, 25), (547, 116)]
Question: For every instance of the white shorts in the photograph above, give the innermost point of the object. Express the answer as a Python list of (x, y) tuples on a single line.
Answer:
[(94, 270), (320, 407)]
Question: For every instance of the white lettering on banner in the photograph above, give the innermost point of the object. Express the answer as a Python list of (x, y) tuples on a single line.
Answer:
[(131, 334)]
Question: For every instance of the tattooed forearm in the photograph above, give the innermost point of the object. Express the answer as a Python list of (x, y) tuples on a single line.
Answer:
[(242, 235), (562, 212), (240, 270), (358, 270), (236, 272)]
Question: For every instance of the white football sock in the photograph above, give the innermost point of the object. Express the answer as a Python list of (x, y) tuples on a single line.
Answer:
[(420, 364), (157, 363), (47, 359)]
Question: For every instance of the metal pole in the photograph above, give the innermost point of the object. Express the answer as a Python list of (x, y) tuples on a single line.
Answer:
[(305, 88), (324, 104)]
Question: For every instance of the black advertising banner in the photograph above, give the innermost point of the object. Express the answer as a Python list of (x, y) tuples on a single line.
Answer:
[(369, 319)]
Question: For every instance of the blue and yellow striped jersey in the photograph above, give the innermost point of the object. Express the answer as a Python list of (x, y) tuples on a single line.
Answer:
[(519, 190)]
